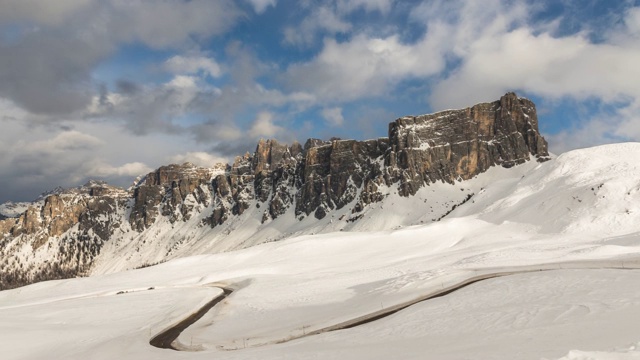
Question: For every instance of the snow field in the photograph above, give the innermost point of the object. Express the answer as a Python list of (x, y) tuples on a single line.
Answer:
[(571, 216)]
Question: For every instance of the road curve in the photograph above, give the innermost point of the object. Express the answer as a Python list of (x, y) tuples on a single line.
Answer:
[(166, 338)]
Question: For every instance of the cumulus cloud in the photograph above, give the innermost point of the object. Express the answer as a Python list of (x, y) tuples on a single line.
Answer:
[(34, 161), (64, 142), (49, 73), (37, 159), (601, 127), (261, 5), (43, 12), (103, 170), (333, 116), (167, 23), (347, 6), (366, 66), (127, 87), (499, 50), (448, 53), (476, 51), (211, 130), (264, 126), (153, 108), (46, 66), (329, 19), (192, 65), (188, 104), (199, 158), (571, 66), (322, 20), (632, 22), (629, 125)]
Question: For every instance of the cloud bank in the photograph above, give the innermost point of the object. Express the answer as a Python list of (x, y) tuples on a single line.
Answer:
[(108, 89)]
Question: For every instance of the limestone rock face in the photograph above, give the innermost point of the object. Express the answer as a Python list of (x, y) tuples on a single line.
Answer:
[(282, 180), (73, 223), (460, 144), (6, 224), (173, 191), (61, 212), (315, 178), (334, 172)]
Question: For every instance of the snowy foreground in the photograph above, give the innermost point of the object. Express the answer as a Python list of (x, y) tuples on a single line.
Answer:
[(576, 217)]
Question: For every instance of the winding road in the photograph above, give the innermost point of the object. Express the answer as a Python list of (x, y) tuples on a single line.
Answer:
[(166, 339)]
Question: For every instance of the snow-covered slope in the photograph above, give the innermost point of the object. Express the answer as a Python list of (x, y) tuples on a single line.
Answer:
[(576, 217), (579, 192), (14, 209)]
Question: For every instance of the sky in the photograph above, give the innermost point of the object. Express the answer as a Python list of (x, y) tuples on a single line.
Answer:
[(113, 89)]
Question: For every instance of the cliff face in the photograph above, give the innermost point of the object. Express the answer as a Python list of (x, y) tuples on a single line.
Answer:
[(62, 236), (460, 144), (314, 179)]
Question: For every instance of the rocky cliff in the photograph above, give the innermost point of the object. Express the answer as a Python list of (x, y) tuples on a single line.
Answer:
[(278, 180)]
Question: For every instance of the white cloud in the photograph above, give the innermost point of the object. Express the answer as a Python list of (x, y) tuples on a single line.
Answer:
[(192, 65), (43, 12), (602, 127), (182, 82), (333, 116), (153, 108), (321, 20), (63, 142), (170, 23), (383, 6), (629, 126), (499, 50), (10, 111), (187, 104), (367, 67), (632, 21), (198, 158), (264, 126), (490, 47), (259, 6), (541, 64), (54, 46), (103, 170), (228, 132), (38, 160)]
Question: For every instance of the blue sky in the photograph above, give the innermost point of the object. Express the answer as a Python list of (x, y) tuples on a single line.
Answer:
[(112, 89)]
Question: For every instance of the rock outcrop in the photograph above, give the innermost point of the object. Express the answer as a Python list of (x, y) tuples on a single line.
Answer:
[(460, 144), (282, 180), (325, 175)]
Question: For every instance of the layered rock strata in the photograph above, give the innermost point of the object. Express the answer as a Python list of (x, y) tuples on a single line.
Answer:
[(309, 180)]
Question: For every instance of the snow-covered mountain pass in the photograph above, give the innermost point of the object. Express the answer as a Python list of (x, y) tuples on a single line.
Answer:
[(576, 217)]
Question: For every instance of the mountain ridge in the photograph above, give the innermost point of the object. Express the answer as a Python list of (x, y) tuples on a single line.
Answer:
[(321, 178), (554, 220)]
